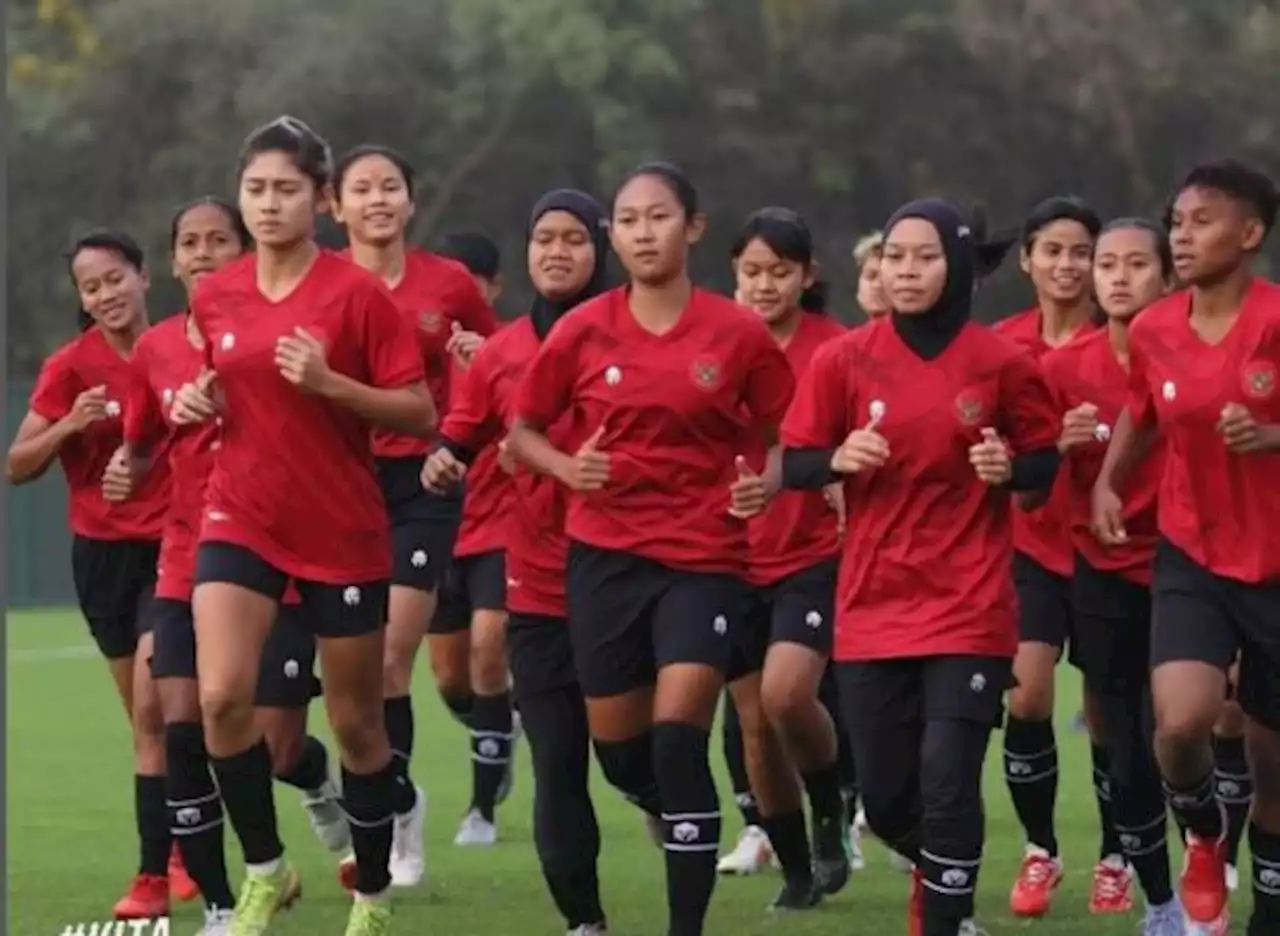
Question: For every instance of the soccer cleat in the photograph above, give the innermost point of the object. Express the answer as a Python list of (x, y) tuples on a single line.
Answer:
[(857, 861), (217, 922), (146, 898), (970, 928), (408, 862), (1037, 882), (509, 774), (370, 916), (832, 849), (797, 895), (347, 872), (915, 905), (476, 830), (1218, 927), (328, 822), (1112, 887), (860, 819), (181, 887), (1203, 887), (590, 929), (1233, 878), (262, 896), (752, 853)]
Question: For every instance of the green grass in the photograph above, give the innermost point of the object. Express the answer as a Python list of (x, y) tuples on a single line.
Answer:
[(72, 848)]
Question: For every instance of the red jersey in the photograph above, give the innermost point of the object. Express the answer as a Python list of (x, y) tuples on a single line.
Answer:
[(1043, 534), (1218, 507), (86, 362), (799, 529), (293, 480), (434, 293), (533, 513), (926, 568), (1088, 371), (676, 410)]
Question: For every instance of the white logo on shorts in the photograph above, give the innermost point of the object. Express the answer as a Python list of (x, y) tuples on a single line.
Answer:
[(228, 341), (977, 682), (813, 619), (419, 559), (612, 375), (291, 669), (351, 596), (112, 408), (1169, 391), (720, 624)]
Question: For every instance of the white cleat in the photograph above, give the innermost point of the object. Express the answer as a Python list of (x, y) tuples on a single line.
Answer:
[(857, 861), (751, 855), (328, 822), (860, 818), (408, 862), (217, 922), (476, 830), (1232, 874), (589, 929), (970, 928)]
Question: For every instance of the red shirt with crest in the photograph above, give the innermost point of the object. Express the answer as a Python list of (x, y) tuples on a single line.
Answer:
[(676, 410), (926, 568), (1218, 507)]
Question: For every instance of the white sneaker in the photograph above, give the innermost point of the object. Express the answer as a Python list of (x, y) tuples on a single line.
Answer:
[(328, 822), (217, 922), (476, 830), (860, 818), (857, 861), (1232, 874), (751, 855), (509, 775), (970, 928), (900, 863), (407, 861), (589, 929)]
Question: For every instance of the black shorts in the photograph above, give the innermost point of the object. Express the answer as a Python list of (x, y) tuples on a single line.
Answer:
[(287, 677), (630, 616), (878, 696), (115, 583), (799, 609), (351, 610), (541, 654), (1112, 640), (423, 525), (473, 583), (1205, 617), (1044, 605)]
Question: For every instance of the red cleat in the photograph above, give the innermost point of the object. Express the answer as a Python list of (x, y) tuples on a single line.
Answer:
[(915, 908), (1203, 887), (1037, 882), (1112, 888), (347, 873), (181, 886), (146, 899)]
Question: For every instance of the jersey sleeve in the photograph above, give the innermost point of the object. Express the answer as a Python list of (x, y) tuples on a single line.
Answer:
[(143, 416), (769, 384), (819, 413), (1030, 411), (473, 421), (547, 389), (390, 346), (1140, 403), (56, 389)]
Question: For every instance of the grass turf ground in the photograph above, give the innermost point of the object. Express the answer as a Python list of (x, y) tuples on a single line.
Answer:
[(72, 846)]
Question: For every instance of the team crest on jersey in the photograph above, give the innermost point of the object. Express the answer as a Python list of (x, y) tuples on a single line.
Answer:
[(706, 373), (1259, 379), (431, 321), (969, 408)]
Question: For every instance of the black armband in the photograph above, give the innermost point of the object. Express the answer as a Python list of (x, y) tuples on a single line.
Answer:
[(807, 469), (1034, 471)]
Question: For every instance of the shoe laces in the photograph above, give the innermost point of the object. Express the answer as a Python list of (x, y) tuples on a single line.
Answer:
[(1110, 883), (1037, 869)]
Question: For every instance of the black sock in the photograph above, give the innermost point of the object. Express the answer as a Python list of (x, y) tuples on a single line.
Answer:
[(367, 799), (823, 787), (735, 759), (398, 713), (1235, 790), (311, 770), (1031, 770), (1198, 808), (790, 843), (628, 766), (244, 780), (829, 696), (1111, 846), (1146, 847), (459, 704), (153, 824), (490, 750), (195, 812), (1265, 849), (691, 815)]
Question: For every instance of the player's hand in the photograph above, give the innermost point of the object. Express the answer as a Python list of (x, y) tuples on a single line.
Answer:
[(589, 469), (1108, 517), (990, 459), (506, 461), (748, 495), (1241, 431), (463, 345), (1079, 427), (862, 450), (441, 472), (89, 406), (194, 402), (119, 478), (300, 358), (834, 495)]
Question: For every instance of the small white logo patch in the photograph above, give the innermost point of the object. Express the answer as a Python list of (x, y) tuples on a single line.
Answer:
[(291, 669), (612, 376), (351, 596), (228, 341), (1169, 391), (419, 559), (720, 624), (813, 619), (113, 408), (876, 409)]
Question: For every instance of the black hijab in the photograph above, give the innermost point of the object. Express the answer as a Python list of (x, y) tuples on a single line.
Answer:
[(929, 333), (546, 312)]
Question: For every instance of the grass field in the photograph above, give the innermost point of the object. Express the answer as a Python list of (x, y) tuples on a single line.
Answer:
[(72, 847)]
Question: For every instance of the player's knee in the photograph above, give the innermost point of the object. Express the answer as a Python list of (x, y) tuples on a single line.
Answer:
[(785, 699), (628, 765), (356, 732)]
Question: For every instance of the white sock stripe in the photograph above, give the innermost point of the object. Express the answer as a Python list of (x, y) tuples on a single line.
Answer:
[(400, 754), (1029, 757), (375, 824), (1160, 820), (1236, 800), (1153, 847), (1032, 778), (690, 817), (1274, 865), (678, 847), (495, 735), (196, 830), (1223, 775), (180, 804), (953, 862), (949, 891), (491, 761)]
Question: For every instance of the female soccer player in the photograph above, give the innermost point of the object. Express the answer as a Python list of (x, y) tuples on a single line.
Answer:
[(1057, 256), (568, 245), (673, 386), (1111, 596), (205, 235), (482, 259), (1203, 375), (866, 254), (922, 414), (76, 417), (373, 200), (304, 350), (785, 641)]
